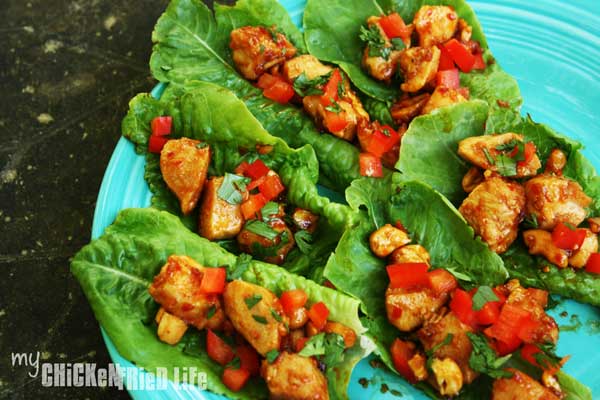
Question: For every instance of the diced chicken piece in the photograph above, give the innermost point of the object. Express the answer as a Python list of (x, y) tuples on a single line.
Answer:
[(184, 163), (299, 318), (412, 253), (218, 218), (305, 64), (556, 162), (313, 106), (419, 66), (474, 150), (459, 349), (405, 110), (472, 179), (272, 251), (175, 288), (170, 328), (305, 220), (539, 242), (463, 31), (387, 239), (408, 309), (594, 224), (435, 24), (255, 49), (443, 97), (448, 376), (590, 245), (294, 377), (494, 210), (520, 386), (534, 301), (378, 67), (347, 333), (553, 199), (257, 323), (418, 365)]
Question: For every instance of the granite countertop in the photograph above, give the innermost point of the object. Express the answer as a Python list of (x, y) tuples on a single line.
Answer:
[(68, 70)]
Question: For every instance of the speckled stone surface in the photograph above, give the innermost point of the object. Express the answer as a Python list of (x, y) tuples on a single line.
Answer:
[(67, 71)]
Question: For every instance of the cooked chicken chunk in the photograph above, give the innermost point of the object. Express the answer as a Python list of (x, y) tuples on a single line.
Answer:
[(184, 163), (293, 377), (448, 376), (458, 350), (590, 245), (474, 150), (407, 309), (539, 242), (405, 110), (494, 210), (520, 386), (257, 323), (387, 239), (556, 162), (412, 253), (463, 31), (419, 66), (175, 288), (305, 220), (313, 106), (443, 97), (255, 49), (435, 24), (305, 64), (472, 179), (534, 301), (170, 328), (378, 67), (553, 199), (218, 218), (274, 250)]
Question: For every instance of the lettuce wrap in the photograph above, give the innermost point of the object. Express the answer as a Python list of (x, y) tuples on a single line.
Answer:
[(116, 270), (429, 154), (214, 115), (332, 34), (435, 224)]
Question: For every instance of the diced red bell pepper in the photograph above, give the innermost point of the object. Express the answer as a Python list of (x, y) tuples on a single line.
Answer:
[(504, 348), (566, 238), (446, 61), (462, 306), (156, 143), (241, 169), (393, 25), (213, 281), (249, 359), (488, 314), (402, 352), (442, 281), (370, 165), (253, 205), (256, 169), (266, 81), (335, 122), (300, 343), (528, 329), (593, 264), (217, 349), (460, 54), (528, 153), (382, 140), (449, 78), (318, 314), (330, 90), (292, 300), (479, 63), (161, 126), (506, 329), (280, 91), (256, 183), (408, 275), (235, 379), (271, 187)]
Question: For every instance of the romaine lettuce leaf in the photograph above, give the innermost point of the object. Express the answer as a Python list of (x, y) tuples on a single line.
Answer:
[(116, 270)]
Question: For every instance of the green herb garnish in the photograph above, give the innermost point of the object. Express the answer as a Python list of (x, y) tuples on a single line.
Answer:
[(269, 209), (232, 187), (304, 241), (483, 358), (310, 87), (260, 319), (276, 316), (234, 364), (482, 296), (375, 41), (431, 352), (211, 312), (261, 228), (271, 356), (252, 300), (329, 348), (334, 107), (488, 156)]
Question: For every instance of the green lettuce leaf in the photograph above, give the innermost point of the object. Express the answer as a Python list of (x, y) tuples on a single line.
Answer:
[(116, 270), (332, 30), (191, 46), (215, 115)]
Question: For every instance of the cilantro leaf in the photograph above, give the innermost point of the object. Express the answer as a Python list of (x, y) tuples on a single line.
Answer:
[(431, 352), (488, 156), (304, 241), (234, 364), (276, 315), (261, 228), (310, 87), (260, 319), (252, 300), (211, 312), (268, 210), (484, 359), (398, 44), (271, 356), (329, 348), (482, 296), (506, 166), (376, 42), (231, 188)]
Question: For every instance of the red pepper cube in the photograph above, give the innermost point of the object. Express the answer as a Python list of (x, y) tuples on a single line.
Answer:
[(161, 126), (462, 306), (252, 206), (382, 140), (393, 25), (266, 81), (292, 300), (402, 352), (156, 143), (593, 264), (217, 349), (408, 275), (256, 169), (318, 314), (566, 238), (330, 90), (280, 91), (449, 79), (370, 165), (271, 187), (235, 379), (460, 54), (213, 281), (446, 61), (479, 63)]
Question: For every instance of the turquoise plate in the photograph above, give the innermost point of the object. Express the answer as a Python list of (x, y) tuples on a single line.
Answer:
[(552, 47)]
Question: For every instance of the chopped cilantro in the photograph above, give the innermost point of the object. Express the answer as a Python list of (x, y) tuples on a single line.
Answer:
[(375, 41), (483, 358), (334, 107), (201, 145), (482, 296), (488, 156), (398, 44), (231, 188), (269, 209), (261, 228), (211, 312), (531, 221), (234, 364), (271, 356), (304, 241), (431, 352), (276, 316), (506, 166), (252, 300), (260, 319), (310, 87), (329, 348)]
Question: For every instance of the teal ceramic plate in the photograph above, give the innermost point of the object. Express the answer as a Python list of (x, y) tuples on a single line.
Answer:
[(552, 47)]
